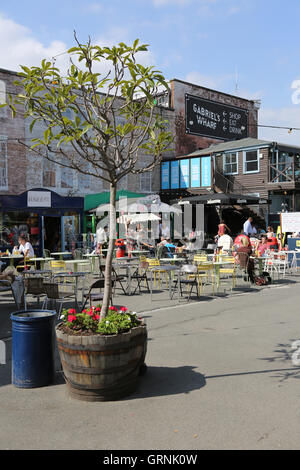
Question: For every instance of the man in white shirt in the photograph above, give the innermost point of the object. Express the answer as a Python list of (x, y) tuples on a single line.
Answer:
[(225, 243), (101, 237), (25, 248), (248, 229)]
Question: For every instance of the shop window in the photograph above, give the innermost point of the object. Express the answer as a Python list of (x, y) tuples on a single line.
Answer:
[(2, 92), (251, 161), (230, 163), (19, 223), (3, 163), (146, 182)]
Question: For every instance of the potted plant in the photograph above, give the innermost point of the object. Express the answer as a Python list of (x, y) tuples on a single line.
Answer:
[(99, 119), (101, 360)]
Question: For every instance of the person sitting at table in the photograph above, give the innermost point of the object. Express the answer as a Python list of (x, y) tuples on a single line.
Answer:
[(225, 243), (244, 252), (262, 245), (25, 247), (170, 248)]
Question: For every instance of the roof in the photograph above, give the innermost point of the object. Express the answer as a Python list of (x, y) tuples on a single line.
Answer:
[(225, 199), (241, 144), (232, 145), (91, 201)]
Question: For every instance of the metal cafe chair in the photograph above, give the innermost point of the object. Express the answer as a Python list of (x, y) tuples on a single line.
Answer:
[(191, 280), (34, 286), (53, 294), (140, 274), (90, 296)]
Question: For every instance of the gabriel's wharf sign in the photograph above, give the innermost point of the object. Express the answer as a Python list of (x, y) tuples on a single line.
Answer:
[(210, 119)]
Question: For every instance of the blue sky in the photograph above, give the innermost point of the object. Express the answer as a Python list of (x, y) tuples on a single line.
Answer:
[(208, 42)]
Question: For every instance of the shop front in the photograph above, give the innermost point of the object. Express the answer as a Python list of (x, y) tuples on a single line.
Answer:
[(48, 220)]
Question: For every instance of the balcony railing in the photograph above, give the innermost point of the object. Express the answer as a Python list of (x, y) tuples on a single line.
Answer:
[(284, 173)]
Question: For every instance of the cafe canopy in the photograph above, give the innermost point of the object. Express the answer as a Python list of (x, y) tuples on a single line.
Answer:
[(92, 201)]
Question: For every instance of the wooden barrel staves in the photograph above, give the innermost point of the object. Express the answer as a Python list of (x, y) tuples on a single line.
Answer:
[(102, 368)]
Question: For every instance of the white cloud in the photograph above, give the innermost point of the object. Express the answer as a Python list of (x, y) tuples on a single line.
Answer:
[(19, 46)]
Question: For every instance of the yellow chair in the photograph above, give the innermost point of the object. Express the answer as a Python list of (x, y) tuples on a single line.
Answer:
[(28, 262), (229, 270), (57, 266), (199, 259), (155, 262)]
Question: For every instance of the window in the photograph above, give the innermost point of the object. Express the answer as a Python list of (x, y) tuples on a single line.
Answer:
[(2, 92), (49, 173), (230, 163), (66, 176), (3, 163), (146, 182), (251, 161)]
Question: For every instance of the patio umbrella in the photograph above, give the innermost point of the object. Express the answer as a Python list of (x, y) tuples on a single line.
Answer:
[(135, 218)]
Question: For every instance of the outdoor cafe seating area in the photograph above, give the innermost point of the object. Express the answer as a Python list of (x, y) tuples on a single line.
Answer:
[(65, 279)]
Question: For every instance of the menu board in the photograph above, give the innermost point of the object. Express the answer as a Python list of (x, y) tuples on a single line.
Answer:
[(210, 119), (290, 222)]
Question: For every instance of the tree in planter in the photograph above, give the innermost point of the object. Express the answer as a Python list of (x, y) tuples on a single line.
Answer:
[(81, 112)]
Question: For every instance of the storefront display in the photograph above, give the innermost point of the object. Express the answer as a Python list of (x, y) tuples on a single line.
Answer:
[(48, 220)]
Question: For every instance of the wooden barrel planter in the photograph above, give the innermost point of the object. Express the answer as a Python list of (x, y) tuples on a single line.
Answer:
[(102, 368)]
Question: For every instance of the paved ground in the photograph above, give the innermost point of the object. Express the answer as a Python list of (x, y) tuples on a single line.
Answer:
[(220, 377)]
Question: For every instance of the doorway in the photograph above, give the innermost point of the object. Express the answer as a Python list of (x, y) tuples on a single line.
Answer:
[(52, 233)]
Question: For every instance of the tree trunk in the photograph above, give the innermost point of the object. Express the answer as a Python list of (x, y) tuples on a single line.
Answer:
[(110, 252)]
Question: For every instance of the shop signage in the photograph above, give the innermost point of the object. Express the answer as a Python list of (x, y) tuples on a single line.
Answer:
[(290, 222), (210, 119), (39, 199)]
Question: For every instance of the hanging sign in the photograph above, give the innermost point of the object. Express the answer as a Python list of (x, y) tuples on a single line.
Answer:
[(38, 199), (210, 119)]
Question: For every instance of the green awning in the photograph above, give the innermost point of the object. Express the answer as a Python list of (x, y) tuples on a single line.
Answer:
[(91, 201)]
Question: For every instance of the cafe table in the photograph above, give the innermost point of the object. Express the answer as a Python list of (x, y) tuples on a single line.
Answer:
[(92, 257), (163, 268), (41, 261), (61, 254), (11, 258), (217, 267), (76, 275), (128, 263), (76, 262)]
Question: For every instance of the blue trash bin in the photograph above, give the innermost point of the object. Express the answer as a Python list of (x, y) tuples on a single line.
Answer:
[(33, 348)]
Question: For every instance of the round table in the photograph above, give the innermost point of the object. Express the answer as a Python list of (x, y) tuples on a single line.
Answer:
[(12, 258), (42, 261), (61, 254), (76, 262)]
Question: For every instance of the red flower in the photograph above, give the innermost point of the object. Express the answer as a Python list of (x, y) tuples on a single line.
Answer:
[(96, 317), (90, 312), (124, 309), (71, 318), (97, 309), (114, 309), (72, 311)]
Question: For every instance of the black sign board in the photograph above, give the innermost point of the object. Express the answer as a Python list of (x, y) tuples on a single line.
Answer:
[(210, 119)]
